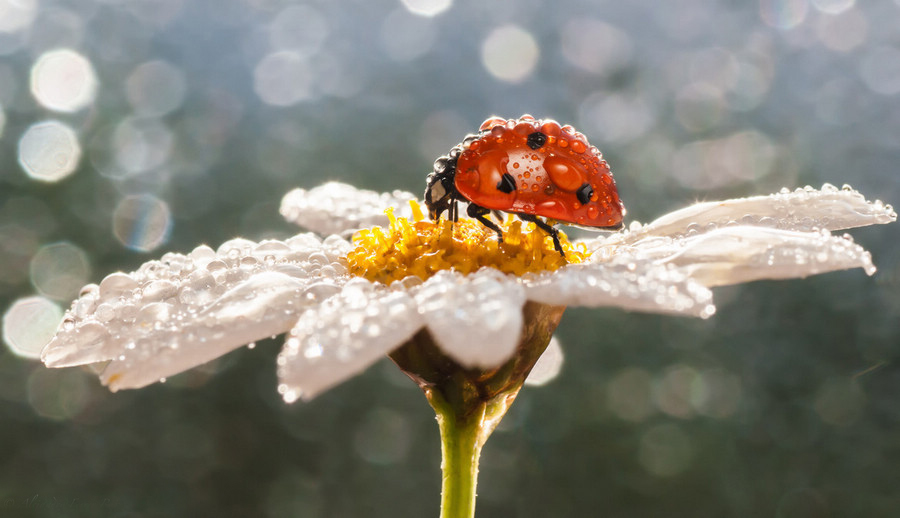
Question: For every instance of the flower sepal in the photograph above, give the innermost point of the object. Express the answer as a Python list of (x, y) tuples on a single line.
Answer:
[(466, 389), (471, 402)]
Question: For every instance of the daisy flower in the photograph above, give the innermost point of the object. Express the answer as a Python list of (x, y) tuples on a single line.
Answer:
[(464, 315)]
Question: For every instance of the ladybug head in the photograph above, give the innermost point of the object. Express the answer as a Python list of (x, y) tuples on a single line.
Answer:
[(440, 193)]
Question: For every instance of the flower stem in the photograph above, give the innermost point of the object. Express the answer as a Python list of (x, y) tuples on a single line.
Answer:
[(463, 434), (470, 402), (461, 444)]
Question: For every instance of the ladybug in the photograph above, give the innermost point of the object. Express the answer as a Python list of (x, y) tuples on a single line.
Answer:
[(529, 167)]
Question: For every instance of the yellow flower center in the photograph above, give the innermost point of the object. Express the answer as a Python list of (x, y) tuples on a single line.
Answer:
[(422, 248)]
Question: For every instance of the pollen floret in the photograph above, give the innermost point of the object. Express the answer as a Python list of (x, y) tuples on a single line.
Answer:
[(422, 248)]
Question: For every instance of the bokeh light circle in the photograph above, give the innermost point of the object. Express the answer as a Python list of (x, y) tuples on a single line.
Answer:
[(29, 324), (843, 32), (63, 80), (49, 151), (299, 28), (405, 37), (427, 7), (783, 14), (665, 450), (142, 144), (595, 46), (142, 222), (155, 88), (283, 78), (548, 365), (880, 70), (16, 15), (833, 6), (59, 270), (58, 395), (510, 53)]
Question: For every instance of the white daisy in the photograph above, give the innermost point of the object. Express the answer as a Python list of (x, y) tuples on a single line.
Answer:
[(346, 306)]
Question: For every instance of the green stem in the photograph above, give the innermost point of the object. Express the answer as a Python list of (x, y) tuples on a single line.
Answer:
[(462, 437), (470, 402), (461, 442)]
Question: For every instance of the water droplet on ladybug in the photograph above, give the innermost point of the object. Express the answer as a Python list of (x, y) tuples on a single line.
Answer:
[(490, 123), (524, 128), (551, 128)]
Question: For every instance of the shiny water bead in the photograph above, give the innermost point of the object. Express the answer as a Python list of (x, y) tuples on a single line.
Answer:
[(336, 208), (803, 209), (565, 186), (343, 336), (169, 307), (465, 314), (638, 284)]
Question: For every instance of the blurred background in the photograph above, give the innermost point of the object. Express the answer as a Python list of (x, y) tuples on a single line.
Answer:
[(129, 128)]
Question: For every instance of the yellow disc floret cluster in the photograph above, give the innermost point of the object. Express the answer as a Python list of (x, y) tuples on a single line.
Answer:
[(421, 248)]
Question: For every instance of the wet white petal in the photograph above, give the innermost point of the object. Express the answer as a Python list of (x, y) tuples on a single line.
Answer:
[(548, 365), (344, 336), (475, 319), (632, 284), (804, 209), (733, 255), (339, 208), (183, 310)]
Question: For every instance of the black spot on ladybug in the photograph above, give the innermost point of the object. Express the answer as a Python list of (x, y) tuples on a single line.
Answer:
[(536, 140), (507, 184), (584, 193)]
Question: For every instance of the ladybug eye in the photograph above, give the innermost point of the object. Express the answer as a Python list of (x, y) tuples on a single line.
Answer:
[(584, 193), (536, 140), (507, 184)]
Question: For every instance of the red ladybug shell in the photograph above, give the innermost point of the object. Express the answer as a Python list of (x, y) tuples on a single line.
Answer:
[(545, 180)]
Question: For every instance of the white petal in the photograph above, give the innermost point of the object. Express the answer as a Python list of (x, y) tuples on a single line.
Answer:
[(733, 255), (632, 284), (183, 310), (805, 209), (343, 337), (476, 319), (339, 208), (548, 365)]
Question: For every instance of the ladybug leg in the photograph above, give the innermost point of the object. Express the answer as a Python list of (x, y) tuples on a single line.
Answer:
[(553, 231), (479, 213)]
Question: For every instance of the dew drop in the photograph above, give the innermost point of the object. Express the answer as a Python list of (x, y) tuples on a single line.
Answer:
[(105, 312), (216, 265)]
